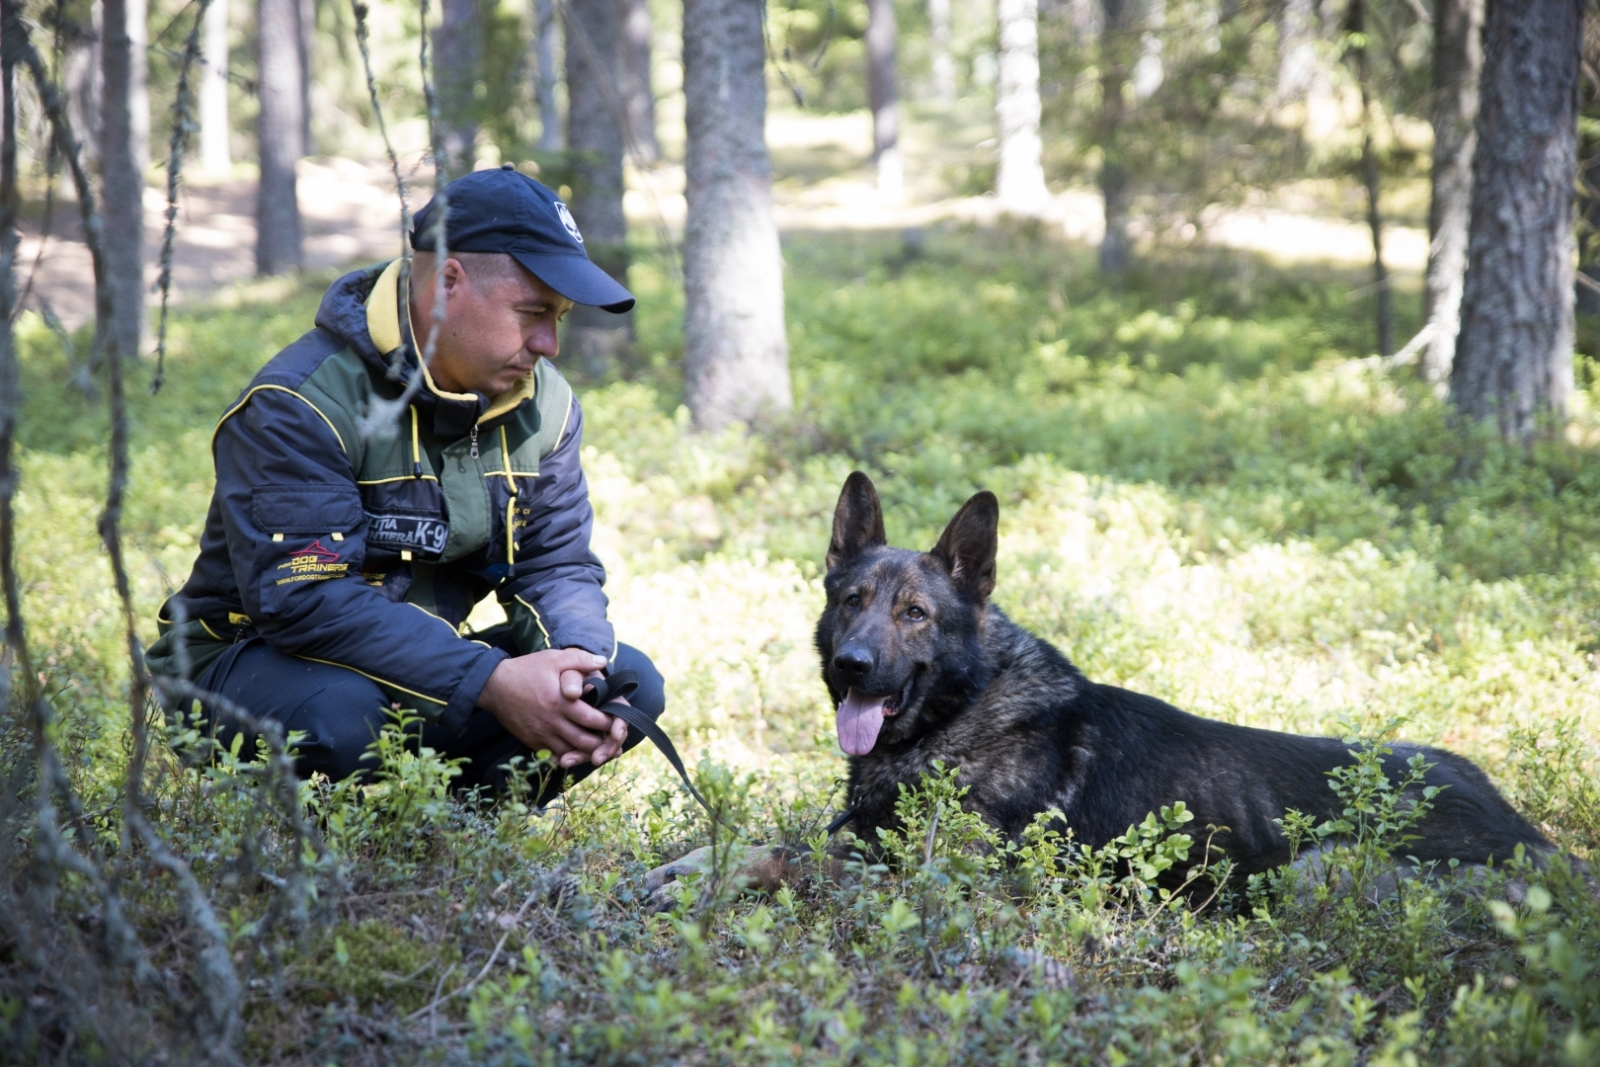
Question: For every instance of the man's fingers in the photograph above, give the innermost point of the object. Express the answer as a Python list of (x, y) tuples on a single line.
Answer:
[(572, 684), (575, 659)]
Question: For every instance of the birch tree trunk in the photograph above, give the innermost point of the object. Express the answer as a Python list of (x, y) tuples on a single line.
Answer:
[(1298, 73), (458, 53), (595, 114), (735, 352), (1117, 38), (1513, 360), (215, 153), (883, 96), (80, 76), (545, 29), (944, 66), (124, 179), (636, 81), (1019, 179), (137, 24), (279, 129), (1457, 63)]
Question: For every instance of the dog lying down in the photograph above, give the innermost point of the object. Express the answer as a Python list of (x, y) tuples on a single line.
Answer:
[(922, 667)]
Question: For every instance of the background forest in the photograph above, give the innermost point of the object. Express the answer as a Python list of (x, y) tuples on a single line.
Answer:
[(1180, 280)]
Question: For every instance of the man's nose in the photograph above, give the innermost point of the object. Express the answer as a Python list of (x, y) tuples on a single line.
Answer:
[(543, 340)]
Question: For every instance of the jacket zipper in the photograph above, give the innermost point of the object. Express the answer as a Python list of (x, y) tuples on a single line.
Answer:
[(473, 438)]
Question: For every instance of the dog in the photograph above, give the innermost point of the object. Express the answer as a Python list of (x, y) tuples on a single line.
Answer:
[(924, 668)]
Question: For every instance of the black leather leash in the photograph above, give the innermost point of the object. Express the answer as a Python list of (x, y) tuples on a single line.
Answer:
[(607, 694)]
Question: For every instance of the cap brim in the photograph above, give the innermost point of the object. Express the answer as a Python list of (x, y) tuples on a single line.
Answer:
[(578, 279)]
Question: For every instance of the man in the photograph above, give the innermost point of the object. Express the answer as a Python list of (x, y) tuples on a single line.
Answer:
[(338, 566)]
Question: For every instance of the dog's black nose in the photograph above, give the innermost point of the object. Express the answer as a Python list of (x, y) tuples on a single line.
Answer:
[(853, 660)]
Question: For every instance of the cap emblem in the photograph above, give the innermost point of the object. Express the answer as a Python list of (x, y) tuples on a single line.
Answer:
[(566, 220)]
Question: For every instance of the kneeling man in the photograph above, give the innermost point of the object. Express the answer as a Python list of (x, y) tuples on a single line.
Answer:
[(338, 566)]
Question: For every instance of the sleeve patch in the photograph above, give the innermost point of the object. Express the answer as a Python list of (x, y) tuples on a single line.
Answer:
[(306, 509)]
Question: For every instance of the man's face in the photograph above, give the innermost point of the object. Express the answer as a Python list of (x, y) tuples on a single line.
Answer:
[(498, 321)]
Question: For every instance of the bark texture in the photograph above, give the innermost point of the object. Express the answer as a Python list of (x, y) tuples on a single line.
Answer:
[(1457, 63), (1361, 59), (883, 96), (124, 180), (215, 153), (1513, 360), (545, 28), (279, 130), (595, 339), (736, 354), (1117, 40), (1019, 179), (457, 58), (636, 81)]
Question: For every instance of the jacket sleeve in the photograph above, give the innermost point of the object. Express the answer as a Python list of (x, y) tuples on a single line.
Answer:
[(296, 529), (553, 596)]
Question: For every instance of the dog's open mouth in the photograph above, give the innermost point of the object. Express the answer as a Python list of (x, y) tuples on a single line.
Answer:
[(860, 717)]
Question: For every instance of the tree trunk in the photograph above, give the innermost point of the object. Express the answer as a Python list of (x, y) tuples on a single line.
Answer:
[(306, 31), (636, 81), (1019, 180), (1298, 73), (457, 57), (735, 353), (545, 29), (1117, 38), (1457, 62), (138, 82), (80, 76), (123, 179), (1587, 293), (944, 65), (1383, 302), (215, 154), (883, 97), (595, 113), (1514, 355), (279, 131)]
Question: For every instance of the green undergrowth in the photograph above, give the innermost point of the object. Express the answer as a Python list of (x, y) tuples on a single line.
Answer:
[(1208, 493)]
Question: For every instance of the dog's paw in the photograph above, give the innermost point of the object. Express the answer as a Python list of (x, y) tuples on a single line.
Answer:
[(759, 868)]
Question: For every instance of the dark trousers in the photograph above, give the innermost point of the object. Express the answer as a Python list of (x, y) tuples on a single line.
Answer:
[(340, 713)]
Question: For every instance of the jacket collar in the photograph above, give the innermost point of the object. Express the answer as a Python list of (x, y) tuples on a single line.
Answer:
[(367, 310)]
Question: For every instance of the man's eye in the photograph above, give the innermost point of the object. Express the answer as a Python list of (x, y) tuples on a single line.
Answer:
[(915, 613), (853, 600)]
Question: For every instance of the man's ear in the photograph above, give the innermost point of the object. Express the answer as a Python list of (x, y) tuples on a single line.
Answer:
[(967, 546), (857, 520)]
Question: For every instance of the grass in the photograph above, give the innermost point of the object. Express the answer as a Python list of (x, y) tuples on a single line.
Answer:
[(1207, 494)]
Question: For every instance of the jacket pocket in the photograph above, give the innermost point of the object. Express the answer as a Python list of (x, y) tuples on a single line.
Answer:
[(305, 509)]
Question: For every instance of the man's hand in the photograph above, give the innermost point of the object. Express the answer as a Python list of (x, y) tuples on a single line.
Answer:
[(536, 698)]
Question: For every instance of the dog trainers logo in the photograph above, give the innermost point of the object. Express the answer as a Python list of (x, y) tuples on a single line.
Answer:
[(567, 220), (314, 563)]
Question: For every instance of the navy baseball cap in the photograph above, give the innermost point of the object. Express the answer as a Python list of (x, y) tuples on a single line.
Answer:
[(504, 211)]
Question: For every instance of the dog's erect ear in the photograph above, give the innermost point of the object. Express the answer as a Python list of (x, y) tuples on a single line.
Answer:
[(967, 546), (857, 521)]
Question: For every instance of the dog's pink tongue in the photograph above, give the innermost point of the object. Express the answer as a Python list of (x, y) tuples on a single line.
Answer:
[(859, 720)]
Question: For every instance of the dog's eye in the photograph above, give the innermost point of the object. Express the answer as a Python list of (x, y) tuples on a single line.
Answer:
[(853, 600), (915, 613)]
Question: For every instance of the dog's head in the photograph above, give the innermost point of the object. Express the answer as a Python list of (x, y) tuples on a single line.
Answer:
[(899, 637)]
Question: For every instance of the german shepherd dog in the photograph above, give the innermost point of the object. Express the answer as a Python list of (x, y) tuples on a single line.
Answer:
[(923, 667)]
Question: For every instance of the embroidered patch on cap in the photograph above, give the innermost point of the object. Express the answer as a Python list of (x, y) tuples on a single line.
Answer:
[(568, 221)]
